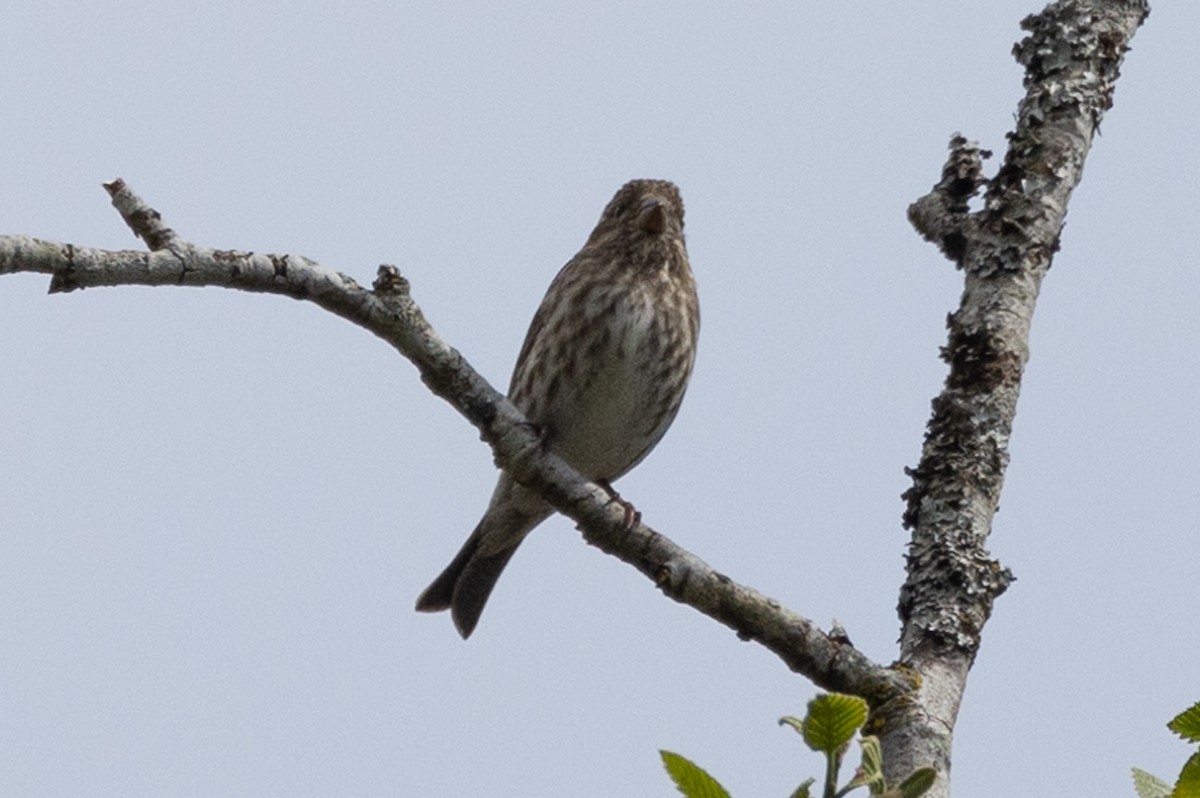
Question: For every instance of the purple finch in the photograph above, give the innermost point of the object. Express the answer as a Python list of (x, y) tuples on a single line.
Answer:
[(601, 375)]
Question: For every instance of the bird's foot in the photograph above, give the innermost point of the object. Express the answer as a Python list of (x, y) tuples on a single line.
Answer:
[(632, 515)]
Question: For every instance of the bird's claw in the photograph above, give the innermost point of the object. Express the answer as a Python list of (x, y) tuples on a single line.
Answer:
[(632, 515)]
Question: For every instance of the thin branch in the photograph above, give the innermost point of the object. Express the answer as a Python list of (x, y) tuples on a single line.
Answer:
[(389, 312), (145, 222), (1072, 59)]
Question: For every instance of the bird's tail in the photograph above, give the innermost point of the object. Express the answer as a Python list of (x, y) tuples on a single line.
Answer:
[(464, 587)]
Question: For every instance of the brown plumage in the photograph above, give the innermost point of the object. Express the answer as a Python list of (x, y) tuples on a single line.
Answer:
[(602, 373)]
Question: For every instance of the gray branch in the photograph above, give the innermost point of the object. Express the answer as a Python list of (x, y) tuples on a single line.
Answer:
[(1072, 58), (388, 311)]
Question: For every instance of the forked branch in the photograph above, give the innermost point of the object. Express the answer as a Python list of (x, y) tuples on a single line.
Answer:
[(388, 311)]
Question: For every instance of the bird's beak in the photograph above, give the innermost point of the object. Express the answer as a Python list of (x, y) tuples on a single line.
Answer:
[(652, 215)]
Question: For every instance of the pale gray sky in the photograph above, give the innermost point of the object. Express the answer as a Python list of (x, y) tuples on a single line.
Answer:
[(218, 508)]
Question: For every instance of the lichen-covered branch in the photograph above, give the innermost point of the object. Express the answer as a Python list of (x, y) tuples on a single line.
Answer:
[(388, 310), (1072, 59)]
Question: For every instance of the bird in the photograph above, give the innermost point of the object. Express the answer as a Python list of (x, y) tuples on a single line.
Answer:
[(601, 376)]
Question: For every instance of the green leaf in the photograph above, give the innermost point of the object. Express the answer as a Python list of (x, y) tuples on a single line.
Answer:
[(1150, 786), (1188, 785), (1187, 724), (795, 723), (832, 720), (918, 782), (690, 778), (802, 791), (870, 772), (872, 758)]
